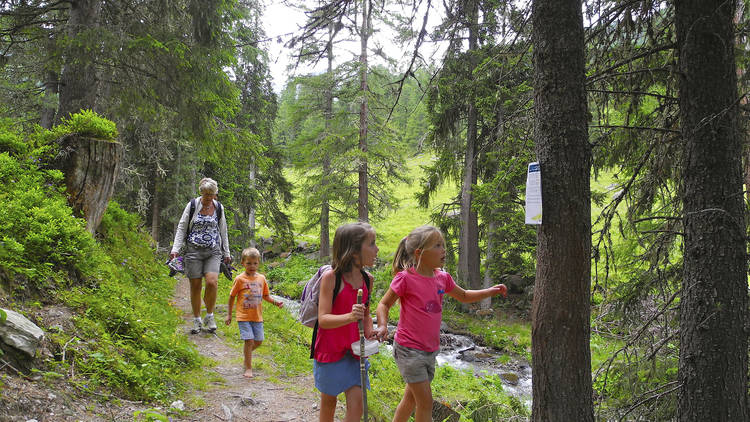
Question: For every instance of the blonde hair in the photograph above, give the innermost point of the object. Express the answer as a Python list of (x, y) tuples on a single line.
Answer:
[(208, 185), (249, 253), (347, 242), (417, 239)]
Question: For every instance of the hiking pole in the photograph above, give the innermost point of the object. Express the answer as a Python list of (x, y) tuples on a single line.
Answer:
[(362, 368)]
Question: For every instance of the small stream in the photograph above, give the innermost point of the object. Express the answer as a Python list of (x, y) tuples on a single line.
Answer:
[(461, 352)]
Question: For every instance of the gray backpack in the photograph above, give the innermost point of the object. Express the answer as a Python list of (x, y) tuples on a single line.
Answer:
[(308, 309)]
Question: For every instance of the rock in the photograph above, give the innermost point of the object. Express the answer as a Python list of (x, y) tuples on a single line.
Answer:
[(510, 378), (485, 312), (20, 333), (177, 405), (227, 412)]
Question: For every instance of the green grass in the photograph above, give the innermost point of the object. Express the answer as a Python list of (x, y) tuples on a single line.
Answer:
[(395, 224)]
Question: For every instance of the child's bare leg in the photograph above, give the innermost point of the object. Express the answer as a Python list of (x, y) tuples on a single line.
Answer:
[(405, 407), (354, 404), (417, 396), (327, 407), (257, 343), (248, 349), (422, 394)]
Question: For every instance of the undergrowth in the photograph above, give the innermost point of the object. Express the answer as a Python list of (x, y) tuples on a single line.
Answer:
[(123, 338)]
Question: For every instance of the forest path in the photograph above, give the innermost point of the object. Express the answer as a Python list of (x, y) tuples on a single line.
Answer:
[(232, 397)]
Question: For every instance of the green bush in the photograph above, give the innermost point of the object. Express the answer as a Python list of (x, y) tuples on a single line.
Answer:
[(139, 348), (41, 238), (126, 337), (11, 141), (285, 278), (84, 123)]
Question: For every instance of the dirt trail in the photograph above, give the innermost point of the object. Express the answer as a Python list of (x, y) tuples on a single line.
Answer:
[(237, 398)]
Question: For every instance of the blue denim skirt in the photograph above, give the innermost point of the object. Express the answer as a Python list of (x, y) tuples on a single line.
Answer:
[(333, 378)]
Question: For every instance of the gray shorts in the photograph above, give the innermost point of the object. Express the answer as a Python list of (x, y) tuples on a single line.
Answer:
[(251, 330), (199, 261), (415, 365)]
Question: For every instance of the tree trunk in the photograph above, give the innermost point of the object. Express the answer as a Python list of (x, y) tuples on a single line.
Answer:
[(714, 304), (325, 209), (468, 249), (78, 82), (90, 167), (489, 261), (362, 203), (251, 212), (560, 331), (51, 84), (155, 209)]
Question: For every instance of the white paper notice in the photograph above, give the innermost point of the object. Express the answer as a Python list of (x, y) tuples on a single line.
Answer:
[(533, 194)]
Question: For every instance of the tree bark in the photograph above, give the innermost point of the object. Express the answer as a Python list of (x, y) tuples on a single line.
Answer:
[(78, 82), (468, 256), (251, 180), (155, 209), (90, 167), (51, 84), (714, 304), (362, 202), (325, 208), (560, 331)]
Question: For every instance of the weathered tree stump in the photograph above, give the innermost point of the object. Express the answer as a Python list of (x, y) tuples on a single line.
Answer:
[(443, 413), (90, 167)]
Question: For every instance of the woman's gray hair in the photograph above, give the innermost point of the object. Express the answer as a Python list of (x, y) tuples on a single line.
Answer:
[(208, 185)]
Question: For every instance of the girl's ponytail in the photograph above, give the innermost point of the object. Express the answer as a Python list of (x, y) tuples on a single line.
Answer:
[(401, 258)]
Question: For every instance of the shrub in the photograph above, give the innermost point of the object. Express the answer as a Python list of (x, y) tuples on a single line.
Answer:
[(285, 279)]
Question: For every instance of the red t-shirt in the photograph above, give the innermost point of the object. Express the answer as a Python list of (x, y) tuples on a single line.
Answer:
[(332, 344)]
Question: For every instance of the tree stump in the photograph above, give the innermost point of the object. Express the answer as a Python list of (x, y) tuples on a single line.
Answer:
[(443, 413), (90, 167)]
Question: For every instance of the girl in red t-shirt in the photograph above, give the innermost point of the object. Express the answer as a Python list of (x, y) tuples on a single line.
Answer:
[(335, 368)]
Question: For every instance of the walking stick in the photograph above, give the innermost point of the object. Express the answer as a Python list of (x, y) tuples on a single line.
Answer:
[(362, 368)]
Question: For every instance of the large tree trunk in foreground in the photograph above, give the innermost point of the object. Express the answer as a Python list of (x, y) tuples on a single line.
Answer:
[(561, 369), (713, 306), (90, 166)]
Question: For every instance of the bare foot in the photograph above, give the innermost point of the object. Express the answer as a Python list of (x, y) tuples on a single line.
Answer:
[(248, 373)]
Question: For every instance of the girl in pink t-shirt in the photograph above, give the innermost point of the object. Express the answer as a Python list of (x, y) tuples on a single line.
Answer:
[(420, 284), (335, 368)]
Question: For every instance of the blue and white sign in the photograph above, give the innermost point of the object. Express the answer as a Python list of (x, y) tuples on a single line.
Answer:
[(533, 194)]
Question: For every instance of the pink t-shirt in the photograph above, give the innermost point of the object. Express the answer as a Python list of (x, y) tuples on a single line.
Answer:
[(332, 344), (421, 308)]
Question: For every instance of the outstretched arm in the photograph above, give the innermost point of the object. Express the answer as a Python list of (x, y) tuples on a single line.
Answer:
[(470, 296), (269, 299), (384, 306)]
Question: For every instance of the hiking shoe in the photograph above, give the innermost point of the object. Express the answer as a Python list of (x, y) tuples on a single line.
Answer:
[(210, 324), (196, 326)]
